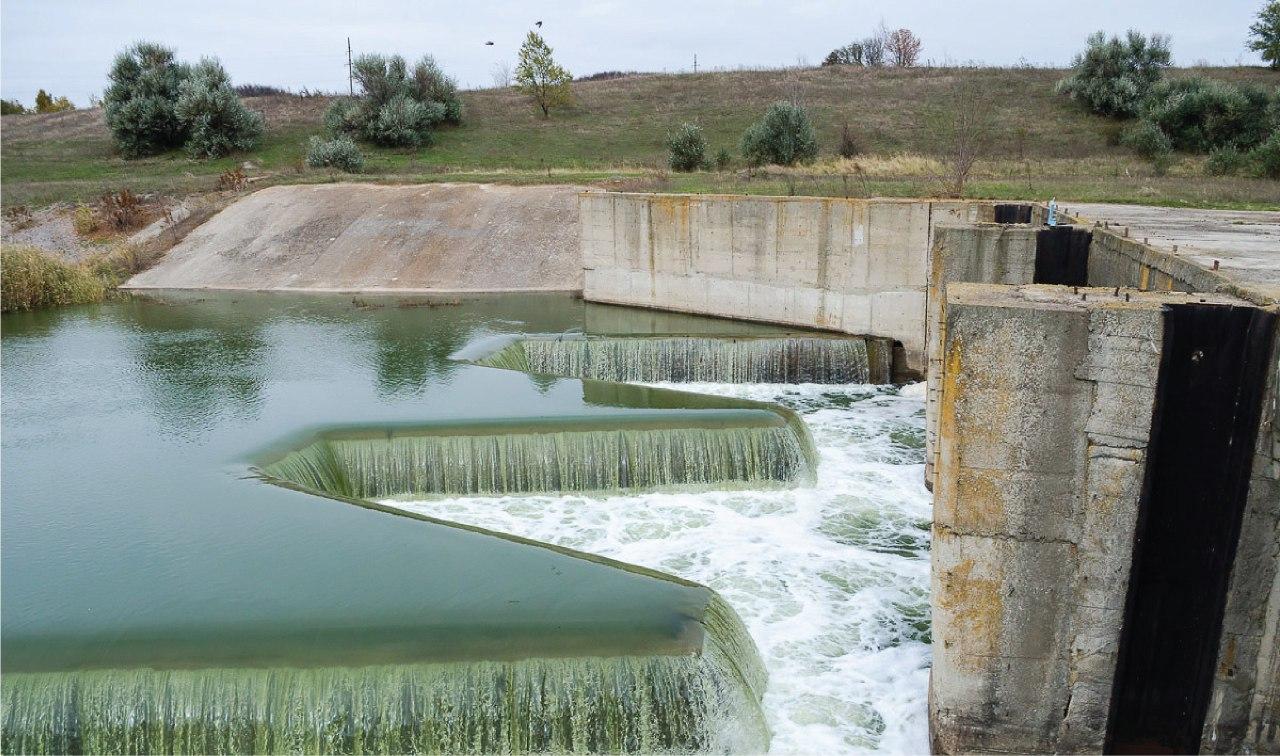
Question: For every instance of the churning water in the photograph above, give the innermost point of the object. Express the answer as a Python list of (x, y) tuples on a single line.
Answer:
[(831, 580)]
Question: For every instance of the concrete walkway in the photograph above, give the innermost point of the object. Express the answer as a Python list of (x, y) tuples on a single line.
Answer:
[(1245, 243)]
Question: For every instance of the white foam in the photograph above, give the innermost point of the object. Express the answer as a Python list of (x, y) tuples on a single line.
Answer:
[(832, 581)]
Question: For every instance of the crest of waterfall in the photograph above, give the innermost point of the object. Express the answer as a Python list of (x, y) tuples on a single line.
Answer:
[(705, 701), (758, 448), (701, 359)]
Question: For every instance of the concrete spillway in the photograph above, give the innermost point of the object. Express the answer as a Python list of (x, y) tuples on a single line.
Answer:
[(368, 237)]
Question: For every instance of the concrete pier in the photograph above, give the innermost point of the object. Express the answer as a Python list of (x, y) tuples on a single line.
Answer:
[(1053, 463)]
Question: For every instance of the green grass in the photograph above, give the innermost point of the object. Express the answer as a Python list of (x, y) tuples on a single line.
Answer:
[(613, 136)]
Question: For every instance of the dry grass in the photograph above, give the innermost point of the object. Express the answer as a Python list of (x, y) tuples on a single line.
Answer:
[(31, 279)]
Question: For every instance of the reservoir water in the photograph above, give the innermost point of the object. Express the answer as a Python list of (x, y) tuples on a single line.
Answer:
[(154, 576)]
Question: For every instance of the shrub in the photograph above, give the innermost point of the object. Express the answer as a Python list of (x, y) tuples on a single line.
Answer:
[(342, 116), (404, 122), (1199, 114), (849, 144), (723, 159), (11, 107), (1147, 139), (140, 102), (1224, 161), (260, 90), (122, 210), (116, 266), (216, 120), (47, 103), (85, 221), (1264, 160), (340, 153), (154, 104), (31, 279), (687, 148), (19, 217), (232, 180), (396, 108), (1112, 76), (784, 136), (432, 85)]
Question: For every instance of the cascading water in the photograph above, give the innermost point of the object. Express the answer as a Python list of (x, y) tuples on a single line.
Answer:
[(711, 447), (701, 359), (704, 701)]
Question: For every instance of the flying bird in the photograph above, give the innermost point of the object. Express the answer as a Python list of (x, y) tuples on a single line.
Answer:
[(538, 24), (489, 44)]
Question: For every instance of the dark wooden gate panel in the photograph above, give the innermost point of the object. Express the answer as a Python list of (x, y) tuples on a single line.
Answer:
[(1213, 373)]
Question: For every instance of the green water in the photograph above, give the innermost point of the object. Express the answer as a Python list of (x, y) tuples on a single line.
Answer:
[(165, 594)]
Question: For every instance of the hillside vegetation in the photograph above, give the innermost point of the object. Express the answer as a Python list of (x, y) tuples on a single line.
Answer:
[(614, 135)]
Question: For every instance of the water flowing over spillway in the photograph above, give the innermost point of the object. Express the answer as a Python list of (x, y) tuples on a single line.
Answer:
[(706, 701), (746, 447), (688, 359), (433, 569), (832, 580)]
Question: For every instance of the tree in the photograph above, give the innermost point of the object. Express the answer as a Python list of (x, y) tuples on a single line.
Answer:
[(1113, 76), (1266, 33), (849, 55), (140, 100), (540, 77), (501, 74), (11, 107), (783, 137), (964, 125), (875, 47), (903, 47), (216, 121)]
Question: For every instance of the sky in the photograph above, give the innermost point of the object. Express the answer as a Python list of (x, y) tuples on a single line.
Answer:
[(66, 46)]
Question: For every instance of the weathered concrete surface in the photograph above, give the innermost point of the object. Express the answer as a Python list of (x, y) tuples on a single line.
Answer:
[(850, 265), (1044, 419), (1246, 243), (982, 253), (366, 237)]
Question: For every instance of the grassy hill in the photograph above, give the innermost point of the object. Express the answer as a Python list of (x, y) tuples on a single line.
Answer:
[(613, 136)]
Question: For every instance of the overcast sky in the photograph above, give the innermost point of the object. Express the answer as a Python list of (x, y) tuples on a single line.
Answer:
[(65, 46)]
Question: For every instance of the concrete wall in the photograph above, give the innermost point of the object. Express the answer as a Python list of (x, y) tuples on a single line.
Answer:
[(1044, 418), (983, 253), (850, 265)]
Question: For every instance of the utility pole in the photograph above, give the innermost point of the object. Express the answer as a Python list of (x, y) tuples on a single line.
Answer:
[(351, 87)]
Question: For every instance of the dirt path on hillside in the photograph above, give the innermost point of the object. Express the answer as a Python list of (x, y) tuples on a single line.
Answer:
[(365, 237)]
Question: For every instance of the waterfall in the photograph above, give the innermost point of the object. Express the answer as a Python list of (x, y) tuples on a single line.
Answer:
[(701, 359), (708, 701), (712, 448)]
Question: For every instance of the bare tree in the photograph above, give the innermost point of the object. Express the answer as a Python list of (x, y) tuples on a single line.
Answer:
[(965, 126), (903, 47), (874, 47), (501, 74)]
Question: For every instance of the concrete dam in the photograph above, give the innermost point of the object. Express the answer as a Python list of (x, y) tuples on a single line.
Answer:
[(1098, 571), (1102, 445)]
